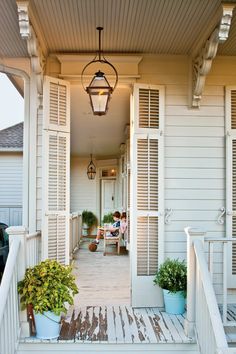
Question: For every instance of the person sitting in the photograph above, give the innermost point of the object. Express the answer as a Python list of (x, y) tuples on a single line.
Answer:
[(123, 223), (114, 229)]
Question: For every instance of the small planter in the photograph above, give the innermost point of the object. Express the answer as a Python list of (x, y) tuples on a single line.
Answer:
[(85, 229), (47, 325), (174, 302)]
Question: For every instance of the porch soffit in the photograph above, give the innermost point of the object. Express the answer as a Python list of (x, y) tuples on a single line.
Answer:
[(130, 26)]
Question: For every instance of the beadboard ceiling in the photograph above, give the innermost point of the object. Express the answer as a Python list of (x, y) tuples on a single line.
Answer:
[(130, 26)]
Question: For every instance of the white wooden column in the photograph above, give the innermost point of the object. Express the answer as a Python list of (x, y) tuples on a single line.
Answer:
[(192, 235)]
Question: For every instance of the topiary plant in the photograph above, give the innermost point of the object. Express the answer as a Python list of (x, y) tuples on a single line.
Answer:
[(47, 286), (108, 218), (172, 276)]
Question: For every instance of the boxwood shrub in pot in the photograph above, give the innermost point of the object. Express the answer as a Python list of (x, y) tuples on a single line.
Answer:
[(172, 278), (88, 220), (47, 287)]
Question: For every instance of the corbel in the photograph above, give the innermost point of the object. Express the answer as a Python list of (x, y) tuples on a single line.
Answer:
[(27, 32), (202, 63)]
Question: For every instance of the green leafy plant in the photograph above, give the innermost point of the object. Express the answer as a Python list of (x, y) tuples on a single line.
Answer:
[(89, 218), (172, 276), (107, 218), (47, 286)]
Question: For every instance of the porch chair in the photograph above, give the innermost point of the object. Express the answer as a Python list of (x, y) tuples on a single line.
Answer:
[(108, 239)]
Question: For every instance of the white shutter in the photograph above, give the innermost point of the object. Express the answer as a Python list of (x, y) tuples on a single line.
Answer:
[(146, 203), (56, 169), (231, 181)]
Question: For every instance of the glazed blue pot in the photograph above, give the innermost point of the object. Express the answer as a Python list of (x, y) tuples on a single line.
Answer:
[(174, 302)]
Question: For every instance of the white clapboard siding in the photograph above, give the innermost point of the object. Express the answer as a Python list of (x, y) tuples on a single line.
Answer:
[(146, 191), (83, 191), (56, 170), (231, 179)]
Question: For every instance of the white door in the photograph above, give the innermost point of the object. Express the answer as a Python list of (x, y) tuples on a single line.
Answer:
[(146, 199), (108, 196), (56, 169)]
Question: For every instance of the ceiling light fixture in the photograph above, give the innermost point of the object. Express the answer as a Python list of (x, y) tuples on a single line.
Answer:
[(91, 169), (99, 89)]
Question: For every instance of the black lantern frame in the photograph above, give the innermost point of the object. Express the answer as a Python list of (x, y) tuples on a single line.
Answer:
[(99, 89), (91, 169)]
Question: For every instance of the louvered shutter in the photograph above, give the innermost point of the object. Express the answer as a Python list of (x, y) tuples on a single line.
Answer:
[(231, 181), (146, 202), (56, 169)]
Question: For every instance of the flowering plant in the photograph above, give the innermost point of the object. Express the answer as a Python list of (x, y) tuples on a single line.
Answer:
[(172, 276)]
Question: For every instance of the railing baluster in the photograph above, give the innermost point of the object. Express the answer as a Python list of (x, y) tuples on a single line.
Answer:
[(225, 283), (211, 257)]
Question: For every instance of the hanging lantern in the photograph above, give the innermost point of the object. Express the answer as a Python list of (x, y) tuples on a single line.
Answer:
[(91, 169), (99, 89)]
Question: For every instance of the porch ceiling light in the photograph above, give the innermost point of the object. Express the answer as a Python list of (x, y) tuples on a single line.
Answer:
[(91, 169), (99, 89)]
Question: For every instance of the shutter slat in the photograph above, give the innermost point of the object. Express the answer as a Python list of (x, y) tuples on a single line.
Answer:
[(148, 108)]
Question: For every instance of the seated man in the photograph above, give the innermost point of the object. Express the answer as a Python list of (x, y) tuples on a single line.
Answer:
[(114, 229)]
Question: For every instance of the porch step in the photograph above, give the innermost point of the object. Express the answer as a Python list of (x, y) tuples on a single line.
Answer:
[(100, 348)]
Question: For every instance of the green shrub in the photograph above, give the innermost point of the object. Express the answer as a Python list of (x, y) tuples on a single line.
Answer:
[(47, 286), (108, 218), (89, 218), (172, 276)]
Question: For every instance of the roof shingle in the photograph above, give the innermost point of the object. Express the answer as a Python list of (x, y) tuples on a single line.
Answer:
[(12, 138)]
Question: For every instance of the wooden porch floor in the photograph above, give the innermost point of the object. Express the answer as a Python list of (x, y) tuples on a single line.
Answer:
[(102, 280), (230, 331)]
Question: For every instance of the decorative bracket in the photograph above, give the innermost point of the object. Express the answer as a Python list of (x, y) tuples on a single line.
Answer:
[(27, 32), (202, 63)]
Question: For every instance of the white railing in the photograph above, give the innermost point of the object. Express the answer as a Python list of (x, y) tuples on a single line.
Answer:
[(9, 309), (75, 231), (203, 316), (33, 251)]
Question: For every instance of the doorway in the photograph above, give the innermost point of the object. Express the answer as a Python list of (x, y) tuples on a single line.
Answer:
[(107, 196)]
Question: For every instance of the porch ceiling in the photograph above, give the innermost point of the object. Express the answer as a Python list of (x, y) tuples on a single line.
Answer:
[(100, 135), (131, 26)]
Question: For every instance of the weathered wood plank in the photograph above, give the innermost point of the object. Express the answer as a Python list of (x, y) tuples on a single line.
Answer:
[(125, 324), (155, 325), (165, 330), (118, 325), (111, 332), (133, 326), (102, 334), (170, 321), (148, 329)]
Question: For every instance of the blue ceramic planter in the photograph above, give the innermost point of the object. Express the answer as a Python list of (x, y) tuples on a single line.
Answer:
[(47, 325), (174, 302)]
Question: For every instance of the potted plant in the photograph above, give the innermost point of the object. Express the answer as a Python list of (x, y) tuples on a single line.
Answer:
[(108, 218), (172, 278), (89, 220), (47, 287)]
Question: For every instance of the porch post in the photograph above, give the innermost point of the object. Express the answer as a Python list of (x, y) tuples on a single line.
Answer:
[(20, 232), (192, 235)]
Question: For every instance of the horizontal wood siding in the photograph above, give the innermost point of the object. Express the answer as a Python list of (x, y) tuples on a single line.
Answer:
[(83, 191), (194, 150), (11, 183)]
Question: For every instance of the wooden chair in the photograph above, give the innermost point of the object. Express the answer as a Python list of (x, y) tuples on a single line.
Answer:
[(108, 239)]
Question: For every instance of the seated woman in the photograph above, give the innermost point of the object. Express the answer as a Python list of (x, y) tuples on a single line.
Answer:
[(114, 229), (123, 223)]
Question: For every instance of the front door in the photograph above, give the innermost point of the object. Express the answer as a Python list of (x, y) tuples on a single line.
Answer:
[(108, 196)]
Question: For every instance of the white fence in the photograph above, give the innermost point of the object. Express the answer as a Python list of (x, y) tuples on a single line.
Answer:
[(203, 315), (75, 231)]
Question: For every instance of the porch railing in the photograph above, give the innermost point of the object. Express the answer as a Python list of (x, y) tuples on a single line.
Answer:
[(9, 309), (24, 252), (203, 316), (33, 249), (75, 231)]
